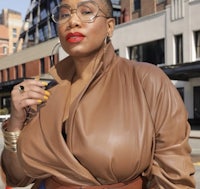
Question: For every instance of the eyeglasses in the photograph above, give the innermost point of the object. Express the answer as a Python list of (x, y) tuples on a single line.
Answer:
[(87, 11)]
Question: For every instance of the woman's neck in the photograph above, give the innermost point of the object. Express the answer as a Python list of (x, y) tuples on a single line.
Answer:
[(86, 66)]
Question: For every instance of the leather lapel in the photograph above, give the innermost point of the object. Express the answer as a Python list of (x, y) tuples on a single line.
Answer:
[(51, 126)]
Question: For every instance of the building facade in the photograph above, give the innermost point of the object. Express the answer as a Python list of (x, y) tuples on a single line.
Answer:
[(4, 41), (170, 39), (165, 33), (133, 9), (11, 24), (38, 26)]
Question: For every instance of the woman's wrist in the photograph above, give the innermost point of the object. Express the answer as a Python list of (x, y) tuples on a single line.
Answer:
[(10, 137), (14, 124)]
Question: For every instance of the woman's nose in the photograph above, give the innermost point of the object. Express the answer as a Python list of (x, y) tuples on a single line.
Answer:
[(74, 20)]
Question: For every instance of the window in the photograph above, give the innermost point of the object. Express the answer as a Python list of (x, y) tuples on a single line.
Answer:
[(197, 43), (35, 18), (196, 102), (53, 29), (43, 13), (179, 49), (116, 2), (43, 33), (42, 66), (137, 5), (177, 10), (31, 38), (160, 1), (5, 50), (14, 32), (152, 52), (52, 5), (134, 53), (181, 92), (117, 15), (14, 47), (8, 74), (6, 102)]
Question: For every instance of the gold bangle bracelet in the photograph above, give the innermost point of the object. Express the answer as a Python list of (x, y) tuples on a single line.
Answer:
[(10, 138)]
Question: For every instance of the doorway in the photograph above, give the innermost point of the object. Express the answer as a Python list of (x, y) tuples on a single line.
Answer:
[(196, 102)]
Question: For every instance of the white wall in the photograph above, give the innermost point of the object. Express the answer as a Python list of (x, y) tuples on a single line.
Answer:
[(162, 26), (139, 31)]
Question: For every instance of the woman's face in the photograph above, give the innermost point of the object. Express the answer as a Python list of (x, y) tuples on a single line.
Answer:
[(79, 38)]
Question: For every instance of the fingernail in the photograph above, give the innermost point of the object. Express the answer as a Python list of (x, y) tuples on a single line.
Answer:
[(46, 97), (47, 93), (44, 83), (39, 101)]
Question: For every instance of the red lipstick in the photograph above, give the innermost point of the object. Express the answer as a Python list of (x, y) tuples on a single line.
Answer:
[(74, 37)]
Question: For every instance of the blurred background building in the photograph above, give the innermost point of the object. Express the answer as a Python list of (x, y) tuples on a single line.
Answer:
[(38, 26), (162, 32), (4, 40), (10, 28)]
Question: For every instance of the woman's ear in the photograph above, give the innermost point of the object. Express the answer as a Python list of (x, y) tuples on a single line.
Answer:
[(110, 26)]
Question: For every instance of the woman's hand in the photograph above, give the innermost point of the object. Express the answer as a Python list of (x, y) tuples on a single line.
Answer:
[(28, 93)]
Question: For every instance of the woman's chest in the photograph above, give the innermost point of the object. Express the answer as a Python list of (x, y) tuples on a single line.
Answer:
[(111, 134)]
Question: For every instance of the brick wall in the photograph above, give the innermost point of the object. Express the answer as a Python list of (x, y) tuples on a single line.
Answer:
[(147, 7), (20, 70), (32, 69), (12, 73), (126, 10), (12, 20), (4, 39), (4, 75), (47, 62)]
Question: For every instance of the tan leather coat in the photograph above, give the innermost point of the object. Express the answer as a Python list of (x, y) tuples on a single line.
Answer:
[(129, 120)]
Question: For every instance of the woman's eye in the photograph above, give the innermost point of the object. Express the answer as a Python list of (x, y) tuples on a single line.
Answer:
[(86, 12), (66, 15)]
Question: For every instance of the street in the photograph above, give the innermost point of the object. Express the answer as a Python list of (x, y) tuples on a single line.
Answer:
[(194, 142)]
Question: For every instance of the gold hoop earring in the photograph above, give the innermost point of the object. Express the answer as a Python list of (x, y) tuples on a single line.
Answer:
[(55, 48), (107, 40)]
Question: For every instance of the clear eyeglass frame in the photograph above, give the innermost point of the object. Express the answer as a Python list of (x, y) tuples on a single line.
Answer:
[(87, 11)]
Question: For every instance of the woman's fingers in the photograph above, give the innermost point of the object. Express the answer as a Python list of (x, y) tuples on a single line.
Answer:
[(29, 92), (25, 94)]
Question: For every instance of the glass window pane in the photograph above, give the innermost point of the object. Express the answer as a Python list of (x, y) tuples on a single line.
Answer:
[(43, 14), (197, 44), (179, 48), (152, 52)]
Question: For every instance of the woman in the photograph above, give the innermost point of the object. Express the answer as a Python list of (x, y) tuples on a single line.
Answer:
[(106, 123)]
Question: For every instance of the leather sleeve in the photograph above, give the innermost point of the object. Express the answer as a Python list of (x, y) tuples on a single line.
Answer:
[(172, 166), (12, 170)]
